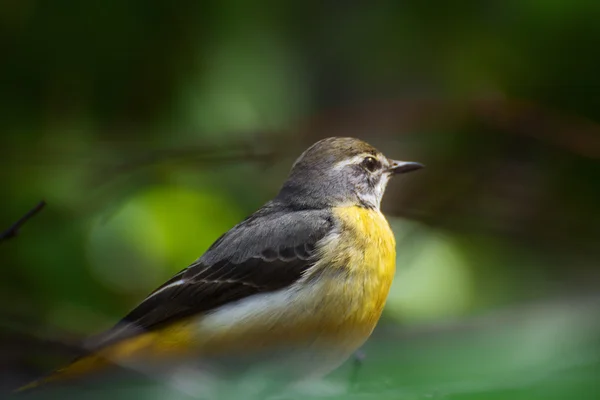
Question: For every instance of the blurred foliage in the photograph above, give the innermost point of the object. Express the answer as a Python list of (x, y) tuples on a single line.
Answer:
[(150, 128)]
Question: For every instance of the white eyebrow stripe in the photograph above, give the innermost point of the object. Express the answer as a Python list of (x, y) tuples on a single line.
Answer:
[(176, 283), (354, 160)]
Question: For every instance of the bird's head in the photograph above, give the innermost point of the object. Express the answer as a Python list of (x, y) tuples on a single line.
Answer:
[(341, 171)]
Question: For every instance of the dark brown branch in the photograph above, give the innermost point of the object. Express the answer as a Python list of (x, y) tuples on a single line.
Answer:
[(14, 229)]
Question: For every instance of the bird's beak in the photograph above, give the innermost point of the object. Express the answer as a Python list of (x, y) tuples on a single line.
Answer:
[(401, 167)]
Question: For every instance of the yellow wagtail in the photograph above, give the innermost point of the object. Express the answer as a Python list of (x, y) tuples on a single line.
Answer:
[(301, 282)]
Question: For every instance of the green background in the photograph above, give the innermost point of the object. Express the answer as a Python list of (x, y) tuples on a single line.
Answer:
[(151, 128)]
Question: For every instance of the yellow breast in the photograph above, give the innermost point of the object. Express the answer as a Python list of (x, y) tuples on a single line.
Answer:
[(366, 251)]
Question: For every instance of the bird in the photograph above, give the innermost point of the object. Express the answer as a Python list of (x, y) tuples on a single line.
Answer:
[(298, 286)]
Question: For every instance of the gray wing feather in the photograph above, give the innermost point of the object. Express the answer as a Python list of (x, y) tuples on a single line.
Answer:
[(268, 251)]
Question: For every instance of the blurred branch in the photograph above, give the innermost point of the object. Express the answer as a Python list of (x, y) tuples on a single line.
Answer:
[(14, 229), (204, 154), (570, 132), (574, 133)]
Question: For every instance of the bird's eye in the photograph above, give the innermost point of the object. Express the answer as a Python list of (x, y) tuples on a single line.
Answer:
[(371, 164)]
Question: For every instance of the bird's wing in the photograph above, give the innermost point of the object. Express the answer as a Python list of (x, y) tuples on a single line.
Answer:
[(266, 252)]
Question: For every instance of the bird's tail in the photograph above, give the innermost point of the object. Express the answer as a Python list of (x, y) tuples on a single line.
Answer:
[(79, 368)]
